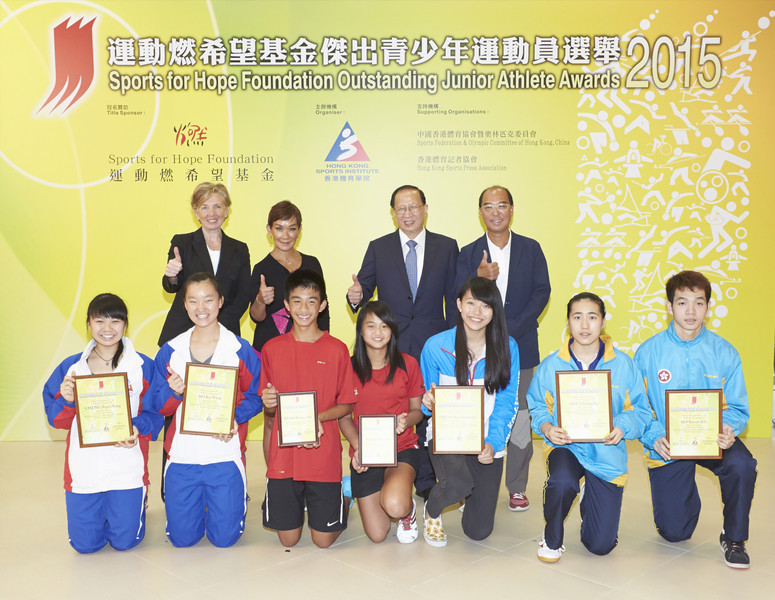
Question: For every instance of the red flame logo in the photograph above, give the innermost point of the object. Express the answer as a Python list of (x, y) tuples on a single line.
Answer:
[(73, 63)]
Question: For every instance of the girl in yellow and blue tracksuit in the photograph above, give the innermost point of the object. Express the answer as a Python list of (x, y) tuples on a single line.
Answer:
[(602, 464)]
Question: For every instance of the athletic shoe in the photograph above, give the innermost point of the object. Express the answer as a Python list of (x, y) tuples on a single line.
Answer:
[(433, 530), (407, 527), (518, 502), (547, 554), (735, 555)]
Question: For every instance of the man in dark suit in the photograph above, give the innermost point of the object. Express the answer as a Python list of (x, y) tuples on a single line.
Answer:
[(414, 272), (517, 266)]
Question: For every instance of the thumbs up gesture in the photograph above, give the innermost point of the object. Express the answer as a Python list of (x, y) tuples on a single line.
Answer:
[(269, 396), (67, 387), (355, 292), (265, 292), (175, 381), (489, 270), (174, 266)]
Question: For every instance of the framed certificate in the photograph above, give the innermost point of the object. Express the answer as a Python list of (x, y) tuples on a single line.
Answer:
[(209, 399), (297, 418), (377, 440), (104, 414), (584, 404), (693, 423), (458, 419)]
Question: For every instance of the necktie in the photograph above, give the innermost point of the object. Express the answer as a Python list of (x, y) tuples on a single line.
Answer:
[(411, 266)]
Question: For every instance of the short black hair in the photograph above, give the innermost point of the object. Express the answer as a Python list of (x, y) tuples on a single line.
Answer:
[(306, 279), (690, 280)]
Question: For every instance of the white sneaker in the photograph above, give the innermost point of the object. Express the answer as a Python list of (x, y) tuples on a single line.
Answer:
[(407, 527), (433, 531), (547, 554)]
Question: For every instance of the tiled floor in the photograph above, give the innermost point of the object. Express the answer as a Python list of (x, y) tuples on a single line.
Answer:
[(37, 562)]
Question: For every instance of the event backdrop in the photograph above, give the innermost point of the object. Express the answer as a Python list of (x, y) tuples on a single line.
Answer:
[(635, 136)]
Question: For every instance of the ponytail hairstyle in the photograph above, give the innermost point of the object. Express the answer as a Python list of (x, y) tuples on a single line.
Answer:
[(109, 306), (497, 366), (202, 277), (360, 359), (587, 296)]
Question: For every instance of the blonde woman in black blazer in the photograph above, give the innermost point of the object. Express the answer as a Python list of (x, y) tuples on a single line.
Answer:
[(210, 250)]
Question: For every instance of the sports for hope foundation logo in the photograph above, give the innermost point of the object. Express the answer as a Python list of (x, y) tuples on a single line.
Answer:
[(73, 62)]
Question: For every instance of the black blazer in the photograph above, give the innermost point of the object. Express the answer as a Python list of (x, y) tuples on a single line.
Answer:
[(233, 276), (527, 291), (383, 269)]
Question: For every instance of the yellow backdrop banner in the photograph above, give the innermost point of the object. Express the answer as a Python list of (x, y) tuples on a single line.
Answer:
[(636, 138)]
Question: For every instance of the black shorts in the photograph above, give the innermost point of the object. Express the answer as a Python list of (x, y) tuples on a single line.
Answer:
[(370, 482), (284, 501)]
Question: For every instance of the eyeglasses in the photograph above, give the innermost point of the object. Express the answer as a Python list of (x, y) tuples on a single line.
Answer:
[(412, 208), (500, 207)]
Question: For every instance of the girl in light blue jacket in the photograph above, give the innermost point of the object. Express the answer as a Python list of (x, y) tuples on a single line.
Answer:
[(478, 351)]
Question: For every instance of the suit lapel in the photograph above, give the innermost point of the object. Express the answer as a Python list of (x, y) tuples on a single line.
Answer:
[(483, 245), (428, 261), (226, 251), (200, 249), (514, 258), (397, 258)]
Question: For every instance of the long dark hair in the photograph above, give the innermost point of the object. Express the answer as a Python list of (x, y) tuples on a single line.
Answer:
[(497, 366), (360, 358), (109, 306)]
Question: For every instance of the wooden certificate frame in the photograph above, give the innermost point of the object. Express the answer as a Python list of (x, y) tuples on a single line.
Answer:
[(297, 418), (209, 399), (103, 410), (693, 422), (584, 406)]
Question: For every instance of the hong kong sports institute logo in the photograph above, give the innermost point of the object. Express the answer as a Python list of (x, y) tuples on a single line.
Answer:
[(347, 147), (73, 62)]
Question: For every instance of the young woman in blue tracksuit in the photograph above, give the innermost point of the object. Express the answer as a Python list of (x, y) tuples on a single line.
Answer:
[(478, 351), (106, 487), (602, 464), (204, 479)]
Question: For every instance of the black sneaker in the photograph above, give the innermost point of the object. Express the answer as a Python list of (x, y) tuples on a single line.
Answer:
[(735, 555)]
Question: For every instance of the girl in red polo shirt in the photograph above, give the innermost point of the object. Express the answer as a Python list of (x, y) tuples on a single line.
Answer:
[(388, 382)]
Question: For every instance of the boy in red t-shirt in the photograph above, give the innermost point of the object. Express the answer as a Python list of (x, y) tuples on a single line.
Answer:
[(305, 359)]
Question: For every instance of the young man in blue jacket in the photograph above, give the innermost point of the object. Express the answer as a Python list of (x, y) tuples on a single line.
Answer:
[(686, 356)]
